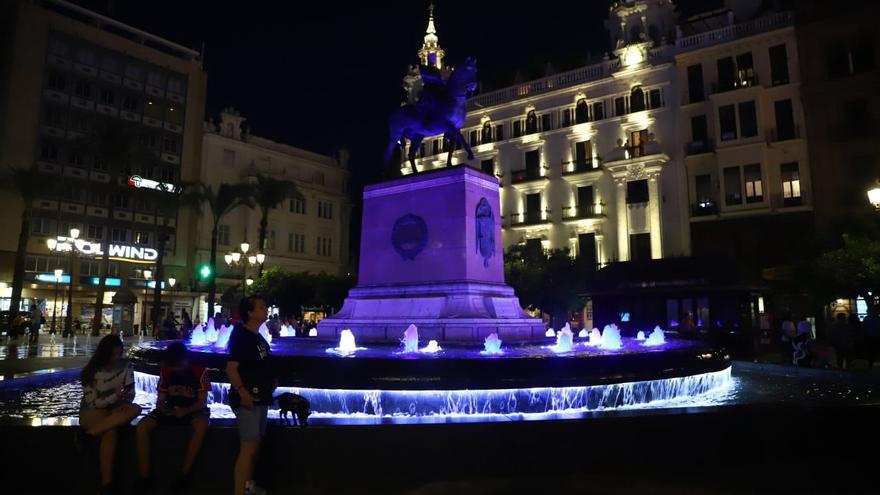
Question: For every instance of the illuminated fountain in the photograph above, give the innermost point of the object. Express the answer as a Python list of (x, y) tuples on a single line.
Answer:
[(198, 335), (285, 332), (411, 339), (492, 345), (432, 348), (346, 345), (211, 333), (264, 331), (223, 336), (564, 340), (583, 334), (313, 332), (656, 338), (550, 333), (640, 335), (595, 338), (611, 338)]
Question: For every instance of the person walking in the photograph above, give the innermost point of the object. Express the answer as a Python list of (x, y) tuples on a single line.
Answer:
[(871, 329), (252, 382), (840, 337), (107, 402), (36, 322)]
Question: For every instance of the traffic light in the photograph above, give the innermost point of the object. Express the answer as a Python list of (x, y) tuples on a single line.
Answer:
[(205, 271)]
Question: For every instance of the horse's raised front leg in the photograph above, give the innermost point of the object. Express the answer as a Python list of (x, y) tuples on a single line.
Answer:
[(414, 143), (458, 137)]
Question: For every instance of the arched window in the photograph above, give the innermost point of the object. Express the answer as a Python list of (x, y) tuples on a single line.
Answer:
[(637, 99), (581, 111), (487, 133), (531, 122)]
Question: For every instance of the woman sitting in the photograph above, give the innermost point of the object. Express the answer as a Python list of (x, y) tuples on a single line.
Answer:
[(108, 392)]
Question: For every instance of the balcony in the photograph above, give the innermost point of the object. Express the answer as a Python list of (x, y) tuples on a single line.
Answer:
[(699, 147), (777, 134), (526, 175), (735, 84), (704, 208), (574, 167), (727, 33), (529, 218), (575, 213)]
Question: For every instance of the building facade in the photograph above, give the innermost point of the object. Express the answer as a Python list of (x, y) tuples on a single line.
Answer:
[(689, 140), (304, 235), (89, 102)]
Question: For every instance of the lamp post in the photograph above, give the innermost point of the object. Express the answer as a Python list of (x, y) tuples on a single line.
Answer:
[(171, 282), (68, 322), (59, 273), (241, 258), (874, 196), (147, 275)]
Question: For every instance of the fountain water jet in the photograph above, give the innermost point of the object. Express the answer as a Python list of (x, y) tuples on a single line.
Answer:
[(611, 338), (432, 348), (223, 337), (492, 345), (564, 340), (347, 344), (595, 338), (211, 333), (640, 335), (198, 336), (264, 331), (550, 333), (411, 339), (583, 333), (656, 338)]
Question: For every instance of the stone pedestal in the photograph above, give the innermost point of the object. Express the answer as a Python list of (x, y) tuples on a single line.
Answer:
[(432, 255)]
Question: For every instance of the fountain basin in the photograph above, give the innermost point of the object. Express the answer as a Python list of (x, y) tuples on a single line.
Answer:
[(305, 363)]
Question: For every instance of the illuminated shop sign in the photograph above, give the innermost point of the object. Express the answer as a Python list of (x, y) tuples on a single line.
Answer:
[(141, 183), (152, 284), (118, 252), (109, 282), (50, 278)]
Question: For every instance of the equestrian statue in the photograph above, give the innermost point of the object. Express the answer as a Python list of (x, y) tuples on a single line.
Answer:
[(440, 109)]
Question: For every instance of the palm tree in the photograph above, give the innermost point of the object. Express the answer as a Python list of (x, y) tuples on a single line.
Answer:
[(269, 193), (226, 198), (28, 184)]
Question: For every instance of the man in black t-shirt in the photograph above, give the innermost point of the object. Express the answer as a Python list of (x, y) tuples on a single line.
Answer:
[(252, 383)]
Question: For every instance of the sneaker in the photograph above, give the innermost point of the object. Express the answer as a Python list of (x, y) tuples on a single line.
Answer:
[(251, 488)]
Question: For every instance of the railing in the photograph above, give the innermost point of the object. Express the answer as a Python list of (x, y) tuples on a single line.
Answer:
[(525, 175), (575, 167), (697, 147), (529, 218), (703, 208), (576, 212), (774, 134), (760, 25)]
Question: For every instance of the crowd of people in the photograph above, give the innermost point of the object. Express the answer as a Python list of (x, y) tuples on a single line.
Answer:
[(846, 339)]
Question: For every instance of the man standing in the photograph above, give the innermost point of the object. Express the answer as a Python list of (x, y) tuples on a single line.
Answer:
[(36, 322), (252, 383)]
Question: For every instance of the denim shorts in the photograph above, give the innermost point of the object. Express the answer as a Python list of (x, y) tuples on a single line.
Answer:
[(251, 422)]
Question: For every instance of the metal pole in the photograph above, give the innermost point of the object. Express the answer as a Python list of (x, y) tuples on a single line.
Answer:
[(55, 306), (68, 322), (144, 311)]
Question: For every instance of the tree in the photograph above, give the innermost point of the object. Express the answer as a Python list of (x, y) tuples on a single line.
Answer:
[(269, 193), (852, 270), (226, 198), (549, 280), (289, 291), (28, 185)]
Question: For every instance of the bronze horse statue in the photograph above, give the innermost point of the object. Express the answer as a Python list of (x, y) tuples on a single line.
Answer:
[(440, 110)]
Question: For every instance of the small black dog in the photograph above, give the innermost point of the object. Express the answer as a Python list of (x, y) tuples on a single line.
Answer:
[(297, 405)]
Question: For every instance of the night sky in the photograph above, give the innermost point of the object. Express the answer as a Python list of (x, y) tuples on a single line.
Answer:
[(319, 75)]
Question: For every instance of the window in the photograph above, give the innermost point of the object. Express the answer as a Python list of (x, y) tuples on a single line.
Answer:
[(565, 117), (228, 158), (727, 122), (42, 225), (98, 198), (784, 120), (546, 122), (118, 235), (637, 99), (86, 56), (583, 153), (298, 205), (48, 152), (121, 201), (435, 147), (587, 249), (57, 81), (499, 132), (95, 232), (581, 111), (270, 239), (699, 130), (131, 103), (473, 138), (154, 109), (745, 70), (748, 119), (640, 247), (43, 264), (598, 110), (171, 145), (113, 269), (54, 117), (637, 143), (778, 65), (76, 159), (168, 174), (89, 268), (533, 164), (732, 186), (83, 89), (174, 114), (619, 106), (533, 208), (754, 185), (486, 133), (654, 98), (79, 122), (296, 242), (531, 123), (107, 97), (695, 83), (726, 74), (637, 191), (585, 200), (324, 246), (325, 210), (791, 184), (856, 118), (223, 235), (703, 184), (142, 238), (488, 166), (176, 85)]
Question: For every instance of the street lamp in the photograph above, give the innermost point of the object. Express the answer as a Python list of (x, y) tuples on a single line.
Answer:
[(874, 196), (59, 273), (241, 258), (147, 275)]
